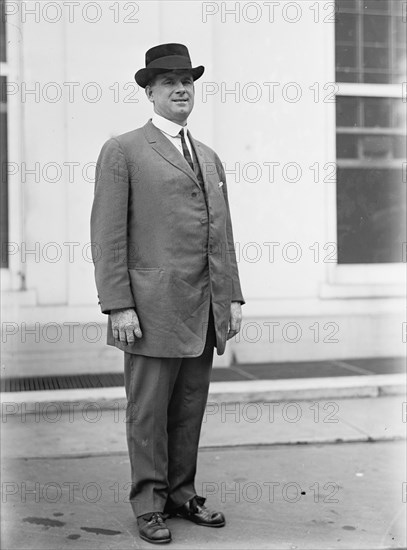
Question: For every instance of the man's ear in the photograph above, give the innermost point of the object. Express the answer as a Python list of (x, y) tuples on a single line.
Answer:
[(149, 93)]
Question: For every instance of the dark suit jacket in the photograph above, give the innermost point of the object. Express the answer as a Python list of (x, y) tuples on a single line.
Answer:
[(158, 248)]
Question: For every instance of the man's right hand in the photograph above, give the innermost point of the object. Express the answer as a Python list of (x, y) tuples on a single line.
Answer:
[(125, 325)]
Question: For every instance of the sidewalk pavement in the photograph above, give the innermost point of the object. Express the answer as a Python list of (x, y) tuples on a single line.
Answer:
[(326, 473)]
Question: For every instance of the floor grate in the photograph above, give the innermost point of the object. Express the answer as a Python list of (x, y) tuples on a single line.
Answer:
[(260, 371), (38, 383)]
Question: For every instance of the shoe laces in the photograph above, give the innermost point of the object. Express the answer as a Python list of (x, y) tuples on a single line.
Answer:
[(198, 503), (156, 518)]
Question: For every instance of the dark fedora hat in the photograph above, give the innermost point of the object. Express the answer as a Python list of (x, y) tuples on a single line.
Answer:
[(164, 58)]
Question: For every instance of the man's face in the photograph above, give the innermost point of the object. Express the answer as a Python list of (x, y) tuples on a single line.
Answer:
[(173, 95)]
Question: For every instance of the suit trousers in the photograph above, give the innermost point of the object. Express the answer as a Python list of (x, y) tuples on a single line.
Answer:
[(166, 399)]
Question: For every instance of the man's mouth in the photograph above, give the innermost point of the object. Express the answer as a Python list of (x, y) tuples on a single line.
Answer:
[(180, 100)]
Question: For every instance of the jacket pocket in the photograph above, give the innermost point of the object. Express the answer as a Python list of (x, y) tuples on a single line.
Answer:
[(145, 282), (162, 299), (150, 291)]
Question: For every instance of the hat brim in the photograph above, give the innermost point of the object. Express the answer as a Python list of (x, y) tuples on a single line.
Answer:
[(144, 76)]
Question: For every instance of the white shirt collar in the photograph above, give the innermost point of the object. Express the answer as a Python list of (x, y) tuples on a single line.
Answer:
[(167, 126)]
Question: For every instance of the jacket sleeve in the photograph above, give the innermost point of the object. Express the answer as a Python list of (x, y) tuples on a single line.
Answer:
[(237, 295), (109, 229)]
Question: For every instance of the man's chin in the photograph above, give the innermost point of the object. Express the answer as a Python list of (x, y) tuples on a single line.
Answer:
[(182, 106), (182, 111)]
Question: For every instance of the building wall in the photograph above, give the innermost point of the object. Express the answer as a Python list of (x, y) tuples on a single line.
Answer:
[(265, 97)]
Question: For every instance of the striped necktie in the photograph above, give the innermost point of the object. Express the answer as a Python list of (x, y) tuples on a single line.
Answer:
[(185, 149)]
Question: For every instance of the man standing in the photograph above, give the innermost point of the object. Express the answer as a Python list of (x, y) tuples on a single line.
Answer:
[(166, 274)]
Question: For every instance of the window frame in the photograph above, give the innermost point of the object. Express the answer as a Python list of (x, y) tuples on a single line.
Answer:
[(12, 277), (346, 281)]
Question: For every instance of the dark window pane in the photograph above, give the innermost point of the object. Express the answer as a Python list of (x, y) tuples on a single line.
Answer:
[(376, 58), (347, 111), (345, 56), (376, 5), (400, 60), (400, 31), (347, 5), (399, 147), (398, 8), (345, 27), (376, 147), (346, 146), (347, 76), (2, 33), (399, 111), (376, 29), (3, 173), (377, 78), (398, 78), (377, 112), (371, 215)]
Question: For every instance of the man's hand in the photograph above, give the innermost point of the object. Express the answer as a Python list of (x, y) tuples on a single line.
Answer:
[(235, 319), (125, 325)]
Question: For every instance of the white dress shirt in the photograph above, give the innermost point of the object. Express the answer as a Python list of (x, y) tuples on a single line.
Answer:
[(171, 130)]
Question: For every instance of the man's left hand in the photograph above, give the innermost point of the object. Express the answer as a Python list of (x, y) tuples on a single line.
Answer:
[(235, 319)]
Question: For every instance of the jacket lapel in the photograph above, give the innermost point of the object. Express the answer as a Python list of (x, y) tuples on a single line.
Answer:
[(166, 149)]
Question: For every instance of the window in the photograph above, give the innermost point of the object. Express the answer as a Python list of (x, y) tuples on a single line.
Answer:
[(370, 41), (3, 148), (370, 132)]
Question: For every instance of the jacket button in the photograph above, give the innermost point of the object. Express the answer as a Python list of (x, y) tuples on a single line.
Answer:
[(203, 220), (194, 194)]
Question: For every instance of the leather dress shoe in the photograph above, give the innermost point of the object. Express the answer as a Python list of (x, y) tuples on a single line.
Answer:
[(152, 528), (196, 511)]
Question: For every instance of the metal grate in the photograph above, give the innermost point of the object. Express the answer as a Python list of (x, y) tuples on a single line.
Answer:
[(68, 382), (260, 371), (78, 381)]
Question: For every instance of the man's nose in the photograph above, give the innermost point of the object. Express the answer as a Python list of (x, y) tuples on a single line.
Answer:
[(180, 88)]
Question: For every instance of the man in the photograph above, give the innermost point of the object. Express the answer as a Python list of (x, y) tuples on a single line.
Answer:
[(166, 274)]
